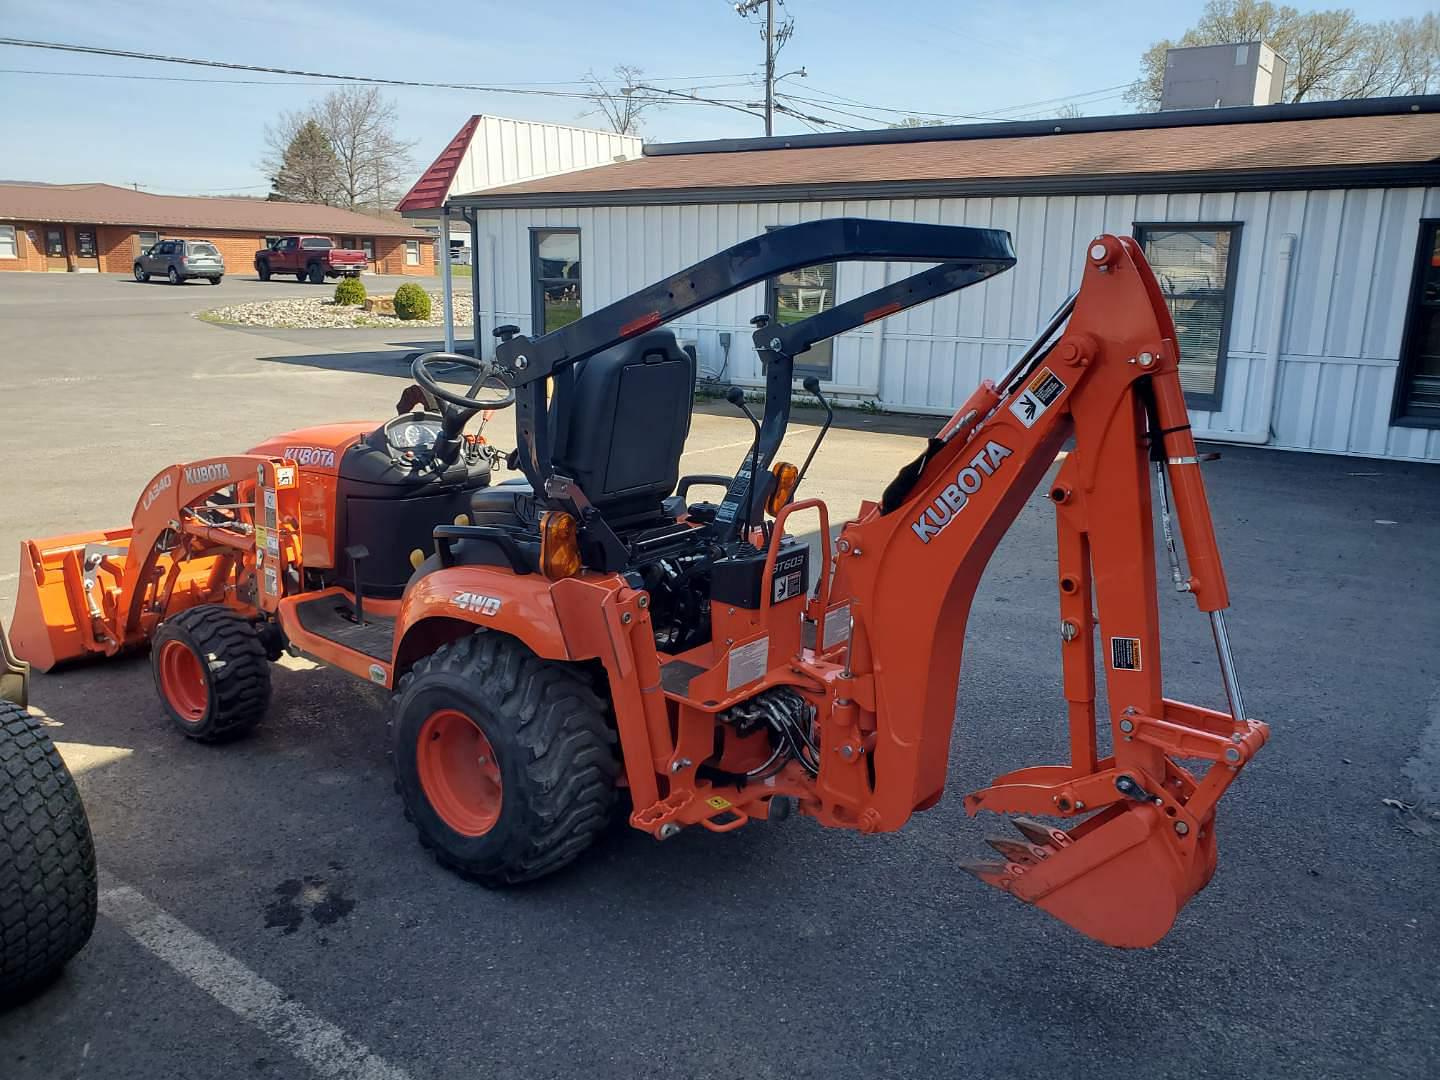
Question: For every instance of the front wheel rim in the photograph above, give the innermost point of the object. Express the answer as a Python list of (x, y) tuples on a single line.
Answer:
[(182, 680), (458, 772)]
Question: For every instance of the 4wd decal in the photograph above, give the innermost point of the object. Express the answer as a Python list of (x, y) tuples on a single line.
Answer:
[(955, 496), (311, 457), (477, 602), (206, 474)]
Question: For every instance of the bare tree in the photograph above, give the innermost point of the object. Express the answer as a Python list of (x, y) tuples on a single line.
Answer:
[(374, 161), (1068, 112), (620, 108), (1329, 54)]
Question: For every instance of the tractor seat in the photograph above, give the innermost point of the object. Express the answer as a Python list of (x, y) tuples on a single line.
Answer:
[(618, 422)]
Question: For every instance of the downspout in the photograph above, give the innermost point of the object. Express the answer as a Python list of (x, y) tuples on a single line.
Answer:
[(1271, 388), (473, 220), (442, 252)]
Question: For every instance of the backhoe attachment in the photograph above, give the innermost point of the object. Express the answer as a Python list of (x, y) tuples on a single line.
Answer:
[(1134, 837)]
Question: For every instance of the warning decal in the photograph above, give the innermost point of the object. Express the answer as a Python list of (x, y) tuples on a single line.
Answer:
[(1125, 653), (1039, 394), (748, 662)]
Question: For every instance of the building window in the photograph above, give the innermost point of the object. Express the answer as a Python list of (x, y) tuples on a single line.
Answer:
[(8, 247), (555, 278), (412, 252), (1417, 390), (85, 244), (54, 243), (368, 247), (1196, 265), (146, 240), (796, 295)]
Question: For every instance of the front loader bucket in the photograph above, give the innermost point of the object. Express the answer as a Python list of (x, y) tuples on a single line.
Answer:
[(53, 612), (1119, 877)]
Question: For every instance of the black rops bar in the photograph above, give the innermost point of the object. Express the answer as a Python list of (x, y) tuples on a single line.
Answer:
[(967, 255), (526, 360)]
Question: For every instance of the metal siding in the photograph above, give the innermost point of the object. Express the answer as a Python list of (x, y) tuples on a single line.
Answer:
[(1348, 291)]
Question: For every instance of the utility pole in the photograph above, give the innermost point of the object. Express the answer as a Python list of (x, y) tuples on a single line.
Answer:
[(750, 7), (769, 67)]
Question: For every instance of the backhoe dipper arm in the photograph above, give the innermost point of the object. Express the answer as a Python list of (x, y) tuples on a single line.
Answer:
[(909, 570)]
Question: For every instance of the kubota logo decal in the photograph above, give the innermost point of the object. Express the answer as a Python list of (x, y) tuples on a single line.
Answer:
[(206, 474), (311, 456), (478, 602), (955, 496)]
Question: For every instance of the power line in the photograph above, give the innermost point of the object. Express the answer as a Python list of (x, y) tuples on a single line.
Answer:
[(128, 54)]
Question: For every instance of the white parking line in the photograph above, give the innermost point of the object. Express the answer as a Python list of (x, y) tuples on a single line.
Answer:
[(320, 1044)]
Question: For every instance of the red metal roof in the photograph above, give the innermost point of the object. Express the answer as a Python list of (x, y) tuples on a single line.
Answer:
[(434, 184), (106, 204)]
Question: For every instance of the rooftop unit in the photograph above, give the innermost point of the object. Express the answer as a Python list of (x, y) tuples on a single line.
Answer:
[(1217, 76)]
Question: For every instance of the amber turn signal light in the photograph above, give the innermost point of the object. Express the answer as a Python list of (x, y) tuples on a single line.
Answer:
[(559, 545), (786, 477)]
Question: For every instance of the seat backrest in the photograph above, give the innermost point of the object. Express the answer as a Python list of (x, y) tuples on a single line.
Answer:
[(620, 420)]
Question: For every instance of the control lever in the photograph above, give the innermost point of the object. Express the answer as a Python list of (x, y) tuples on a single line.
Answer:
[(735, 396), (812, 385)]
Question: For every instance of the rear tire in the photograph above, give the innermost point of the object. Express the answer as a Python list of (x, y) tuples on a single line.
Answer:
[(47, 859), (212, 673), (173, 276), (214, 280), (141, 275), (263, 269), (300, 275), (545, 728), (317, 274)]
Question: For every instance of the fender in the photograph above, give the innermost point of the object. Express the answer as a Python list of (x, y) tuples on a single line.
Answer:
[(446, 603)]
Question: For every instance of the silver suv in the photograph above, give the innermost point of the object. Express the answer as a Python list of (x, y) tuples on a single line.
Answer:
[(180, 260)]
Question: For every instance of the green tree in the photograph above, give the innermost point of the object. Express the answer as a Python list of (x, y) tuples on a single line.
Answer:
[(306, 168), (1329, 54)]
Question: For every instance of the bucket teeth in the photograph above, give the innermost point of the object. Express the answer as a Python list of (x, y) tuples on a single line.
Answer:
[(1041, 835), (1018, 851), (999, 874)]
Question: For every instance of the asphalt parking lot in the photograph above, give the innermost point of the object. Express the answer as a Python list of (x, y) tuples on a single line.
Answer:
[(266, 911)]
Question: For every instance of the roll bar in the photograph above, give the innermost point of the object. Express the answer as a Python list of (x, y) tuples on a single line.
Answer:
[(984, 252), (966, 256)]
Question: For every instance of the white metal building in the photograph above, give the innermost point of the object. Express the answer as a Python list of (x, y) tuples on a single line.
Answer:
[(1299, 245)]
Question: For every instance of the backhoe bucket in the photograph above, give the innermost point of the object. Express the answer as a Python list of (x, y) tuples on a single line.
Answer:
[(1119, 877), (55, 612)]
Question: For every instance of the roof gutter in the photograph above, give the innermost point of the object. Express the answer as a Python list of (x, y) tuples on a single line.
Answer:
[(1252, 114), (1404, 174)]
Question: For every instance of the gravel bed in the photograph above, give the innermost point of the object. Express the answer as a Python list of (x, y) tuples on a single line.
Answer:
[(321, 312)]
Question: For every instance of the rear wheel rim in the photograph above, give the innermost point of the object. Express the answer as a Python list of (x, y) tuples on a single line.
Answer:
[(182, 678), (459, 773)]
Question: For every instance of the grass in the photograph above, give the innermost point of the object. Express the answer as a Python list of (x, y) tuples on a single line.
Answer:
[(456, 270)]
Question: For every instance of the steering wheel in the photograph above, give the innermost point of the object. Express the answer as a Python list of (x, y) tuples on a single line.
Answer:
[(487, 376)]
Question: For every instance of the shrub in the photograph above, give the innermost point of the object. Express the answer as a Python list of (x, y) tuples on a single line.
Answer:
[(350, 290), (412, 302)]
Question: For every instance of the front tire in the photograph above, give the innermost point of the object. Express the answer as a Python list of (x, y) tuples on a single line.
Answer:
[(317, 274), (212, 673), (47, 859), (263, 269), (140, 275), (506, 762), (300, 275)]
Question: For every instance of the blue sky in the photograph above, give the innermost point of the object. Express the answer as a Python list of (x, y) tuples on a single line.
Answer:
[(195, 137)]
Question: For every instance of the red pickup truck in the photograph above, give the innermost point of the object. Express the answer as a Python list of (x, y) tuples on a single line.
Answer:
[(308, 257)]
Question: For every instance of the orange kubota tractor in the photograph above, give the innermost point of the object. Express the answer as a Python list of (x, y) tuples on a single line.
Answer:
[(591, 628)]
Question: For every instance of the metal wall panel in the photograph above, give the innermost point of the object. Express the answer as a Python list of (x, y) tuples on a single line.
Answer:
[(1343, 304)]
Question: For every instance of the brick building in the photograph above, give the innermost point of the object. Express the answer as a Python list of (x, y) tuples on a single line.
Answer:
[(100, 228)]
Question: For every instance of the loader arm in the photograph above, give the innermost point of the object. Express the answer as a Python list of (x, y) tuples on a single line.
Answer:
[(909, 570)]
